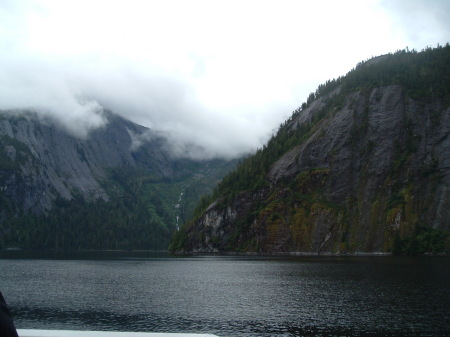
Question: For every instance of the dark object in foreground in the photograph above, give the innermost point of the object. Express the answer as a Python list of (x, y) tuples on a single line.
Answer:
[(7, 328)]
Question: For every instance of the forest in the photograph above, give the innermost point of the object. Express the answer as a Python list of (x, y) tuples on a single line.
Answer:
[(420, 73), (140, 214), (424, 76)]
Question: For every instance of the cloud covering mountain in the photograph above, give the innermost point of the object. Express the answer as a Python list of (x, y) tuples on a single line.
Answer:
[(217, 77)]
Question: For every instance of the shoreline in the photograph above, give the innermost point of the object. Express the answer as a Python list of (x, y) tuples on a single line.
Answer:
[(305, 254), (50, 252)]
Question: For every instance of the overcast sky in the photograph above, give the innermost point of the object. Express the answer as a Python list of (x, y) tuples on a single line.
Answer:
[(219, 75)]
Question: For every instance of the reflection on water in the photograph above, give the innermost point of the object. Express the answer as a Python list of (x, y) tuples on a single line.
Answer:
[(230, 296)]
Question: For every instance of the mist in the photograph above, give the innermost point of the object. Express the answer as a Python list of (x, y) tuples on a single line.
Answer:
[(216, 78)]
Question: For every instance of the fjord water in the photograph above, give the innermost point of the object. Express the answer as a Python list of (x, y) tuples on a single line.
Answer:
[(229, 296)]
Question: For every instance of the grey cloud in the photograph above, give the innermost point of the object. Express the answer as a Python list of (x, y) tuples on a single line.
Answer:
[(221, 100), (425, 23), (75, 95), (36, 85)]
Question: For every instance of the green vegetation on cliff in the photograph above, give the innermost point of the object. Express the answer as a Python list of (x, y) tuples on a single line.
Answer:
[(61, 192), (425, 75), (140, 214), (389, 217)]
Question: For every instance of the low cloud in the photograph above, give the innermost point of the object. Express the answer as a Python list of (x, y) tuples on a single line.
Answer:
[(74, 94), (39, 86), (215, 78)]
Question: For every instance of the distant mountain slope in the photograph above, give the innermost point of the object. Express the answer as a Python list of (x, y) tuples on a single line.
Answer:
[(362, 166), (102, 192)]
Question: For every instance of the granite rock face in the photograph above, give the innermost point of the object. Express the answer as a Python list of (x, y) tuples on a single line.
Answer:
[(40, 161), (371, 170)]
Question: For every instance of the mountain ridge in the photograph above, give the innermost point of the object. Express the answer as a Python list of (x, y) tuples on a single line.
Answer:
[(361, 166), (96, 192)]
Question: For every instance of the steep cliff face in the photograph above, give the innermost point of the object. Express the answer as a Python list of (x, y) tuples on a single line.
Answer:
[(41, 161), (118, 188), (371, 169)]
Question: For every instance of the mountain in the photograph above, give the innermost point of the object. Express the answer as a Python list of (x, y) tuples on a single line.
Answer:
[(362, 166), (117, 188)]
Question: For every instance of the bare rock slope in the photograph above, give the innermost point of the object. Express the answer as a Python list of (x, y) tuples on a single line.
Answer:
[(42, 162), (368, 174)]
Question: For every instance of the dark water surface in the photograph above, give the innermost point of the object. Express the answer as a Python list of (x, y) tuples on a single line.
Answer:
[(229, 296)]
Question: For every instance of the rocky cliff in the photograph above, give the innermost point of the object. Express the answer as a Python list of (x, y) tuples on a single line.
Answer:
[(117, 188), (41, 161), (364, 166)]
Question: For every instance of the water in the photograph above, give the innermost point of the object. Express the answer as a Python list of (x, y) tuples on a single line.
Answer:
[(229, 296)]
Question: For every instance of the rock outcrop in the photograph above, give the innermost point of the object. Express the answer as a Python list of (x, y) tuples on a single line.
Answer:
[(117, 188), (371, 169), (41, 161)]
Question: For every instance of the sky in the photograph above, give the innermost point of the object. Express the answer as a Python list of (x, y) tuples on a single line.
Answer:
[(215, 77)]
